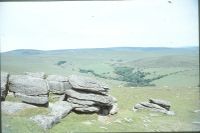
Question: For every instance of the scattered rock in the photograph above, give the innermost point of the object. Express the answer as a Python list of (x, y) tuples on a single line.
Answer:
[(4, 85), (87, 122), (14, 107), (103, 119), (196, 122), (155, 105), (87, 84), (104, 128), (196, 111), (128, 120), (118, 121), (162, 103), (45, 121)]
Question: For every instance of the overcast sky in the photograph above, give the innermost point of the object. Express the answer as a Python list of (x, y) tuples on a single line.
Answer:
[(94, 24)]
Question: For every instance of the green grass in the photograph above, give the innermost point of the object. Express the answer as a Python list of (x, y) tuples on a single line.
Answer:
[(180, 89)]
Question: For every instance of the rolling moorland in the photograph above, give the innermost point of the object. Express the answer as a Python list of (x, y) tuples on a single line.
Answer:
[(133, 75)]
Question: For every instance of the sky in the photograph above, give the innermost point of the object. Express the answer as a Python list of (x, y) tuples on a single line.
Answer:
[(97, 24)]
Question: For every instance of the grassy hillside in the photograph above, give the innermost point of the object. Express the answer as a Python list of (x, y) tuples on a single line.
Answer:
[(181, 65)]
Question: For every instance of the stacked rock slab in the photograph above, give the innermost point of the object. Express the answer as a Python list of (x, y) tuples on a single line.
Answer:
[(29, 88), (156, 105), (58, 84), (4, 85), (89, 96)]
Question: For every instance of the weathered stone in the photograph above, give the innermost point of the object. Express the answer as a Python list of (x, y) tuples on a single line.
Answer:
[(152, 106), (58, 84), (45, 121), (27, 85), (33, 99), (162, 103), (4, 85), (88, 109), (57, 78), (139, 106), (114, 109), (62, 97), (98, 99), (14, 107), (58, 87), (82, 102), (36, 74), (88, 84), (60, 109)]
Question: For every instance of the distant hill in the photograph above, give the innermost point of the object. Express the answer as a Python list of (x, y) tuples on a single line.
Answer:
[(166, 61), (113, 49)]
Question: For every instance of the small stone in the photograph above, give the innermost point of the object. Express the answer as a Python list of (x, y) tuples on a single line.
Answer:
[(118, 121), (104, 128), (87, 122), (196, 111)]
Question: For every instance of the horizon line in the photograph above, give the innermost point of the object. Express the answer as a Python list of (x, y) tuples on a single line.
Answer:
[(102, 48)]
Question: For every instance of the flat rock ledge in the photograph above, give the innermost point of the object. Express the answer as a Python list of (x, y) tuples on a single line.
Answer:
[(156, 105), (14, 107)]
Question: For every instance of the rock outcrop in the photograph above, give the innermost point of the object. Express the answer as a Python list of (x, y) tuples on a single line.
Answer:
[(74, 93), (90, 96), (4, 85), (156, 105), (30, 89), (58, 84)]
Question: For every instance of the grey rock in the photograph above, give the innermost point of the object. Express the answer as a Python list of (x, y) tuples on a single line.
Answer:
[(98, 99), (152, 106), (57, 78), (4, 85), (14, 107), (81, 102), (45, 121), (27, 85), (33, 99), (162, 103), (88, 109), (60, 109), (139, 106), (114, 109), (36, 74), (58, 87), (170, 113), (88, 84), (62, 97)]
